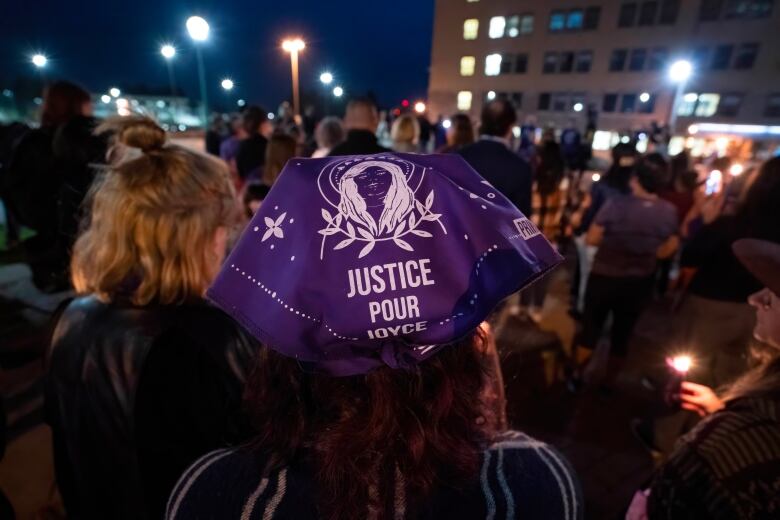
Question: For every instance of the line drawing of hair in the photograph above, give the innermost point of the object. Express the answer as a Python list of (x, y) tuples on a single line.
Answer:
[(398, 202)]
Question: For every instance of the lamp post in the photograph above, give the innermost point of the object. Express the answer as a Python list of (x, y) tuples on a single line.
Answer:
[(679, 73), (168, 52), (198, 28), (294, 46)]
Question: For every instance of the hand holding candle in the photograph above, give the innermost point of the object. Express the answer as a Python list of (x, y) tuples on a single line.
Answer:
[(699, 398), (679, 367)]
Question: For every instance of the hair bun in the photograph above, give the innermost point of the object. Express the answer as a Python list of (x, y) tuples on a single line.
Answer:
[(143, 133)]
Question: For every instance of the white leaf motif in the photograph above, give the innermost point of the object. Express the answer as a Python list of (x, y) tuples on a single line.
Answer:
[(351, 229), (403, 244), (421, 233), (328, 231), (429, 200), (412, 221), (280, 219), (366, 249), (269, 222), (267, 234), (400, 229), (365, 233), (432, 217), (344, 243), (278, 233), (326, 215), (419, 206)]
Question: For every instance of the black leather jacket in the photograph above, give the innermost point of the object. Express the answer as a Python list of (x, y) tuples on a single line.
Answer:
[(135, 395)]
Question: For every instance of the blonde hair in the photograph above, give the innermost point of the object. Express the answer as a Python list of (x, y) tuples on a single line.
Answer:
[(405, 129), (153, 220)]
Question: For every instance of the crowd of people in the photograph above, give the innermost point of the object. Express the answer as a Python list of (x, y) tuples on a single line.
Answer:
[(209, 355)]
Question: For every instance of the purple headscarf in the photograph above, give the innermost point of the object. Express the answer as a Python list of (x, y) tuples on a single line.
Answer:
[(362, 261)]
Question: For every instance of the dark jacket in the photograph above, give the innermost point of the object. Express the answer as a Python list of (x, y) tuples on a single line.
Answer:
[(135, 395), (250, 157), (519, 478), (727, 467), (358, 142), (502, 168)]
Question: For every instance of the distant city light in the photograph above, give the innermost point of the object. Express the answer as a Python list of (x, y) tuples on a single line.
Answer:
[(271, 115), (121, 107), (7, 92), (115, 92), (625, 139), (168, 51), (182, 128), (446, 124), (39, 60), (680, 71), (105, 98), (578, 107), (693, 129), (227, 84), (240, 102), (516, 131), (736, 170), (405, 103), (491, 95), (644, 97), (596, 177), (294, 45), (198, 28), (326, 78), (419, 107), (338, 91), (37, 100), (690, 97), (160, 103)]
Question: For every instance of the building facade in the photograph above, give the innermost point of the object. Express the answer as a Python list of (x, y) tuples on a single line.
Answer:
[(608, 61)]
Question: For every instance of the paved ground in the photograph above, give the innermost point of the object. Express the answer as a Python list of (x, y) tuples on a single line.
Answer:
[(591, 429)]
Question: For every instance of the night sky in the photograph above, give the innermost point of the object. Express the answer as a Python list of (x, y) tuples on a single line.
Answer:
[(383, 46)]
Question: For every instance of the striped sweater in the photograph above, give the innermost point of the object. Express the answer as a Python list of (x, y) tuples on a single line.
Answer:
[(519, 478), (727, 467)]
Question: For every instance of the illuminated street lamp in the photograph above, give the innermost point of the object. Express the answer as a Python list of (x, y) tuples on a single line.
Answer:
[(419, 107), (39, 60), (227, 84), (326, 78), (168, 52), (679, 73), (105, 98), (198, 29), (578, 107), (294, 46), (338, 91), (644, 97), (115, 92)]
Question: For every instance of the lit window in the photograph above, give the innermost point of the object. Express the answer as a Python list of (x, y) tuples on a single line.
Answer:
[(527, 24), (470, 29), (467, 65), (687, 104), (464, 100), (557, 21), (513, 26), (493, 65), (707, 105), (574, 20), (497, 26)]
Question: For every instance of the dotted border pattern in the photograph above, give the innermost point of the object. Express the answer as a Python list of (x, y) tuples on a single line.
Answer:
[(273, 295)]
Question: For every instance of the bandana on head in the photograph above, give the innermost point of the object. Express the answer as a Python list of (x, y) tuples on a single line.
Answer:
[(356, 262)]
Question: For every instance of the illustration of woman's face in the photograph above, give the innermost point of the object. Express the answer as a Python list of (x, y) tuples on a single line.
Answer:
[(373, 184)]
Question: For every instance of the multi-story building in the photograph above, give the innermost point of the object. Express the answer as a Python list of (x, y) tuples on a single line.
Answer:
[(608, 60)]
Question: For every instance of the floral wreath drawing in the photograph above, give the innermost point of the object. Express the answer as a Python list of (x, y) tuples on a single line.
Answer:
[(374, 202)]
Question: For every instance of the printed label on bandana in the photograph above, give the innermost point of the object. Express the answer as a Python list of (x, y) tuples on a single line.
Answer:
[(526, 228)]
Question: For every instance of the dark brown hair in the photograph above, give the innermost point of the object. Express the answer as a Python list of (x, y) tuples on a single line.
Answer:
[(281, 148), (419, 429), (462, 131), (62, 101), (498, 117)]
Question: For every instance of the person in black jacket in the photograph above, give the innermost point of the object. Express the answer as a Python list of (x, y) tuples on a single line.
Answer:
[(493, 159), (143, 375), (361, 121), (250, 157), (34, 178)]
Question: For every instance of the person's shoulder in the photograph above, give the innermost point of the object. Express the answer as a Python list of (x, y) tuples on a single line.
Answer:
[(215, 486), (533, 473), (202, 323)]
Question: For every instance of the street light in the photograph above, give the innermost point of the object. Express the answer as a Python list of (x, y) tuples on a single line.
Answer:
[(419, 107), (227, 84), (338, 91), (168, 52), (326, 78), (115, 92), (644, 97), (679, 73), (39, 60), (294, 46), (105, 98), (198, 29), (578, 107)]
